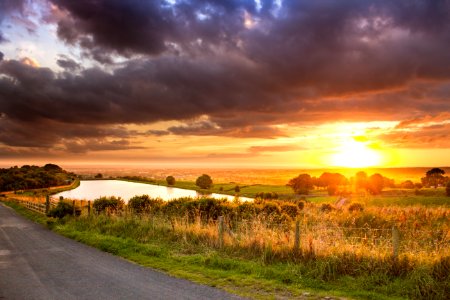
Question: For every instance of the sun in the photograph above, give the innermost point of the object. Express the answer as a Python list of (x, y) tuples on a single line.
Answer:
[(354, 154)]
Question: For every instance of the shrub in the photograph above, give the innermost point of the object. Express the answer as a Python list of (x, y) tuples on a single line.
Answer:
[(355, 207), (144, 204), (301, 205), (270, 208), (61, 210), (237, 189), (325, 207), (110, 204), (290, 209), (266, 196), (170, 180)]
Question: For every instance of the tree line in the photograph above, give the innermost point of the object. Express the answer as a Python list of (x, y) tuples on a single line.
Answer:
[(33, 177), (337, 183)]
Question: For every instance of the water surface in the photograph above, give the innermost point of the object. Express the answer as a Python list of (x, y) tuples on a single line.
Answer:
[(93, 189)]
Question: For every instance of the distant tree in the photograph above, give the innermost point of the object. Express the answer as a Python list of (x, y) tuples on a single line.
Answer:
[(408, 184), (387, 182), (170, 180), (331, 179), (375, 184), (332, 190), (204, 181), (301, 184), (52, 168), (434, 177), (418, 185), (99, 176), (361, 180), (237, 189)]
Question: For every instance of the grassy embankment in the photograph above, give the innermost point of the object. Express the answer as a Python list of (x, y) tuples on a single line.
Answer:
[(257, 260), (39, 195)]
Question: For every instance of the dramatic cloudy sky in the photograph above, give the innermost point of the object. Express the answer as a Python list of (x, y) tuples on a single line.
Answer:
[(298, 83)]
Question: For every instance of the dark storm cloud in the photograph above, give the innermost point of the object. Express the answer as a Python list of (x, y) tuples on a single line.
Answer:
[(197, 62), (8, 7), (67, 63)]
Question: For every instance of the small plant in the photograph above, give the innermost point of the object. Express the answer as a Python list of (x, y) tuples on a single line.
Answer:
[(61, 210)]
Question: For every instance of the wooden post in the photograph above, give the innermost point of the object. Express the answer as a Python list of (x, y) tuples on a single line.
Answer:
[(73, 206), (220, 228), (297, 237), (47, 204), (89, 208), (395, 241)]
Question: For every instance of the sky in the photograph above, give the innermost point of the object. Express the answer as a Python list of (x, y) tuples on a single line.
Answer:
[(236, 83)]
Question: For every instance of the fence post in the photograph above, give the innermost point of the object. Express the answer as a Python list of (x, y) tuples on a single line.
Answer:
[(297, 237), (220, 228), (89, 207), (395, 241), (47, 204), (73, 206)]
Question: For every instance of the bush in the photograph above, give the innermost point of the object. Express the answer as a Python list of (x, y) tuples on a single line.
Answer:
[(290, 209), (355, 207), (144, 204), (170, 180), (270, 208), (326, 207), (266, 196), (61, 210), (109, 204), (237, 189)]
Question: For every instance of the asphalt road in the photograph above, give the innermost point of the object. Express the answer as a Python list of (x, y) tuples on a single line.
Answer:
[(36, 263)]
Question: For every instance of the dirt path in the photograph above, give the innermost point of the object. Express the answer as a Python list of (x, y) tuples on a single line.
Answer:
[(36, 263)]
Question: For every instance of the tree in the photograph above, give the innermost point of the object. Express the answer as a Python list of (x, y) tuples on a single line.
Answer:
[(170, 180), (375, 184), (237, 189), (301, 184), (99, 176), (408, 184), (361, 180), (331, 179), (434, 177), (204, 181)]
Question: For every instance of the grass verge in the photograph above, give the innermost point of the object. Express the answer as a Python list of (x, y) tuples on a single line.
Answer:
[(158, 247)]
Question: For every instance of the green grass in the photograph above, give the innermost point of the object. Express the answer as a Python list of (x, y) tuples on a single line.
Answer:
[(155, 245), (399, 197), (283, 192)]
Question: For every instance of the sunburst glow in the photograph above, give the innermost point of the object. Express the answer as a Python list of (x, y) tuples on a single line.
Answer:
[(355, 154)]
